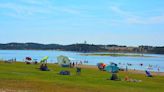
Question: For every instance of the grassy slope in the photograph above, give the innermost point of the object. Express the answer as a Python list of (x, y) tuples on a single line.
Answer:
[(21, 77)]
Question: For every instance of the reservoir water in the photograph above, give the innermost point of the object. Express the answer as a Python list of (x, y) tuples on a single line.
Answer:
[(155, 60)]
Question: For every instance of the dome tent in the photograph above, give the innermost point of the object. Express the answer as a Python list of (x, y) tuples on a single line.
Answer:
[(101, 66), (28, 60), (113, 68), (64, 61)]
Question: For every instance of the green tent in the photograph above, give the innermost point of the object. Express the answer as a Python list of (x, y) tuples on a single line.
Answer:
[(44, 59), (63, 60)]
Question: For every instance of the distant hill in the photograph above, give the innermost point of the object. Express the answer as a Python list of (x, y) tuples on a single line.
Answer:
[(37, 46), (32, 46), (157, 50), (82, 48)]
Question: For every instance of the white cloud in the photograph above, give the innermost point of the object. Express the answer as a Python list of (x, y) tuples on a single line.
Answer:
[(26, 8), (121, 12), (131, 18), (146, 20), (22, 10), (156, 19), (36, 2)]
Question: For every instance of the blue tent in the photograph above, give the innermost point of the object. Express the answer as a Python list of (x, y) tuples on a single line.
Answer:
[(112, 68)]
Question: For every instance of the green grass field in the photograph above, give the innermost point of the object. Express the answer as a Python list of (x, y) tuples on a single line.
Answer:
[(19, 77)]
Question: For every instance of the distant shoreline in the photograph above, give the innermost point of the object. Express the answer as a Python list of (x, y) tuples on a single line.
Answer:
[(116, 55)]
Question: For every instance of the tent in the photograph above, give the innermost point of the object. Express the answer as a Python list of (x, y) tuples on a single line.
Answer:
[(63, 61), (101, 66), (148, 73), (28, 58), (112, 68), (44, 59)]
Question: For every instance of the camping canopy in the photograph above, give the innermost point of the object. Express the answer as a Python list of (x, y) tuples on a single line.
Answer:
[(63, 60), (44, 59)]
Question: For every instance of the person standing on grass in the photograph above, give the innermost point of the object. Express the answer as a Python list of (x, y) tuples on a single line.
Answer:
[(81, 62), (78, 70), (73, 64), (158, 69), (70, 65), (76, 63), (126, 68)]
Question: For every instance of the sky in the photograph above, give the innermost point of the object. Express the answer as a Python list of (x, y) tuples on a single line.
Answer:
[(121, 22)]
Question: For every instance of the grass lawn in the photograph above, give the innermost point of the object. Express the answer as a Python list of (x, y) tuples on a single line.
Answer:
[(19, 77)]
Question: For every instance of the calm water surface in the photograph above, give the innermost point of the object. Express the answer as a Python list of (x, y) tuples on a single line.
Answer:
[(156, 60)]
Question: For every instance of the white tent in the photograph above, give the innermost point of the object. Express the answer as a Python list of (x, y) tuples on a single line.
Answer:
[(63, 60)]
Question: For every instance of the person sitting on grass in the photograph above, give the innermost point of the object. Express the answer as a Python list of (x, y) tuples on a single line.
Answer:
[(44, 67), (132, 80), (41, 66), (35, 62), (127, 78), (114, 77)]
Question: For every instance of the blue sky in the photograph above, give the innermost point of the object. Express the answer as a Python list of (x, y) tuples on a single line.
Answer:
[(122, 22)]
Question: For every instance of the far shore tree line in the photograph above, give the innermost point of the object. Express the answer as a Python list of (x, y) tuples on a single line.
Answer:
[(83, 48)]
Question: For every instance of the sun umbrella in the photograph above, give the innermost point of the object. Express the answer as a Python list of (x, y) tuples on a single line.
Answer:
[(44, 59)]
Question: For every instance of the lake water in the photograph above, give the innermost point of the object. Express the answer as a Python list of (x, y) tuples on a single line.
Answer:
[(155, 61)]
